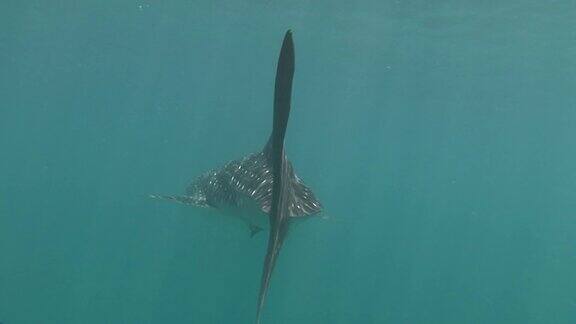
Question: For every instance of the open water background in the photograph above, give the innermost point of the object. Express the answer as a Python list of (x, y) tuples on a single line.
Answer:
[(439, 136)]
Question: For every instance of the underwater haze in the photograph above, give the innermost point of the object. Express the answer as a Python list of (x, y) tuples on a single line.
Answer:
[(438, 135)]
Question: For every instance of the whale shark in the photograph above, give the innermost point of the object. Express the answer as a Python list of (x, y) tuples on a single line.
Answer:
[(261, 186)]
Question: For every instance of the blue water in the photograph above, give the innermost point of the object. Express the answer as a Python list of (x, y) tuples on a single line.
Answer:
[(437, 134)]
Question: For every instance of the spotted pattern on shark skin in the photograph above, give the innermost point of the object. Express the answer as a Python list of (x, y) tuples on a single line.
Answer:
[(251, 177)]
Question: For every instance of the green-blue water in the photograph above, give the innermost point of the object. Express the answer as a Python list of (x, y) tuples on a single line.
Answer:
[(439, 136)]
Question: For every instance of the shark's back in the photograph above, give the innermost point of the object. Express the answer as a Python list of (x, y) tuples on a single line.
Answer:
[(250, 179)]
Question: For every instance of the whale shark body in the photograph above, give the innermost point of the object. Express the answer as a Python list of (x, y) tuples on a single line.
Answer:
[(262, 183)]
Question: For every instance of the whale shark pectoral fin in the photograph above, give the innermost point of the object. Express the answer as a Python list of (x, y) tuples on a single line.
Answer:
[(254, 229), (303, 202), (185, 200)]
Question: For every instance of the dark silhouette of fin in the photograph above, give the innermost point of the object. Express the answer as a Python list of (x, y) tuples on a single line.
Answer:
[(281, 187)]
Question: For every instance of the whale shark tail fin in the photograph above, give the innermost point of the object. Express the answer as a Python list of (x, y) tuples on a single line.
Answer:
[(281, 185)]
